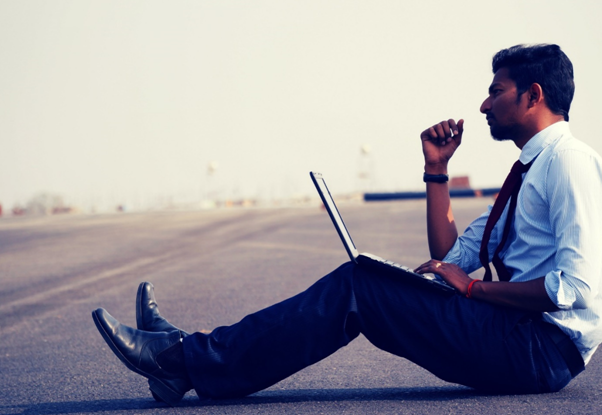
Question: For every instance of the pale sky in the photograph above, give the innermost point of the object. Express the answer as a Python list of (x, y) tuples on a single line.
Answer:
[(107, 102)]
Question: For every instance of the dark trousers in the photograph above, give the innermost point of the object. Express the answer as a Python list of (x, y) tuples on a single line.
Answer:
[(459, 340)]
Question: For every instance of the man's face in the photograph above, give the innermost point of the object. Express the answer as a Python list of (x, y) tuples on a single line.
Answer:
[(503, 109)]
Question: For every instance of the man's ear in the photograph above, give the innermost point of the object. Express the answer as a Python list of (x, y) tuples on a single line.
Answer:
[(535, 95)]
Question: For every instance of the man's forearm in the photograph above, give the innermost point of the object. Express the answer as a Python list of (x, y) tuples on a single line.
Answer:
[(439, 143), (529, 295), (441, 227)]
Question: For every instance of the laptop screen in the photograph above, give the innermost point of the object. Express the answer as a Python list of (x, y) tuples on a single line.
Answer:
[(337, 220)]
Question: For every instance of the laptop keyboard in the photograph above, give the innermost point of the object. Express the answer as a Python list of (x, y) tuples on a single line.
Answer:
[(434, 278), (406, 269)]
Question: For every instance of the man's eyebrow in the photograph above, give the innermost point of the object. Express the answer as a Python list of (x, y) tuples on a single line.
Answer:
[(493, 85)]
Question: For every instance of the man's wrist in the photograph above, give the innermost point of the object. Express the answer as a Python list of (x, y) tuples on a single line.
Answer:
[(435, 168), (435, 178), (469, 289)]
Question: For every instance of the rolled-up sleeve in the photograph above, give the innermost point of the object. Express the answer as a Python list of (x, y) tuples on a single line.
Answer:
[(574, 191)]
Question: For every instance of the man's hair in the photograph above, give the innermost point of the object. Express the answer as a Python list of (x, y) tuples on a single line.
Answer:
[(545, 65)]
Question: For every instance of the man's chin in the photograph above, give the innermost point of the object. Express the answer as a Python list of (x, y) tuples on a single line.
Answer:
[(498, 135)]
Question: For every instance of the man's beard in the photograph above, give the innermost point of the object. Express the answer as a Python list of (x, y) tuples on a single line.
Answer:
[(503, 133)]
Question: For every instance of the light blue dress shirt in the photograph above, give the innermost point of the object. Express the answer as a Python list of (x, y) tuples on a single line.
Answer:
[(557, 233)]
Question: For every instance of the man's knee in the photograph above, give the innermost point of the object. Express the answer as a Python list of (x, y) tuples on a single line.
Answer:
[(341, 278)]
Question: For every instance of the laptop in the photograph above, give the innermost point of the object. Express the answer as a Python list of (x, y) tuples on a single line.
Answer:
[(366, 259)]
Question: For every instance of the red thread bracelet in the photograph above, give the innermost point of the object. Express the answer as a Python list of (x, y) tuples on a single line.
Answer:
[(469, 290)]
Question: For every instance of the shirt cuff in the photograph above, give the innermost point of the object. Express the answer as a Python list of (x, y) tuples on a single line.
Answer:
[(562, 291)]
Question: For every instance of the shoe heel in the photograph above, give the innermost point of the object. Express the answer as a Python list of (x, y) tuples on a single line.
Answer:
[(164, 393)]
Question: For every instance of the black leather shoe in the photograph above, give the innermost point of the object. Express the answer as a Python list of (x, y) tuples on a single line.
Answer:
[(148, 317), (142, 351)]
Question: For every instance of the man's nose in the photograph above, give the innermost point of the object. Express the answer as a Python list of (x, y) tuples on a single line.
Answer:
[(485, 106)]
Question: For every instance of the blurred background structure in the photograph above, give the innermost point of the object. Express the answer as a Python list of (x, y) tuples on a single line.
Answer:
[(126, 105)]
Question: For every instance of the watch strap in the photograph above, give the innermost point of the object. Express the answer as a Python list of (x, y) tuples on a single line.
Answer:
[(435, 178)]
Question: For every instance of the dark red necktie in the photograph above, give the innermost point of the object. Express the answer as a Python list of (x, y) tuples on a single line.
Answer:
[(509, 190)]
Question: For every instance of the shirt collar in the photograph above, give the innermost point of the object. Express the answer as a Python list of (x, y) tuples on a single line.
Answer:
[(543, 139)]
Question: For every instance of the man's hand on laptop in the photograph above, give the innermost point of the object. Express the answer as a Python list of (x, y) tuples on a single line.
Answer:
[(451, 273)]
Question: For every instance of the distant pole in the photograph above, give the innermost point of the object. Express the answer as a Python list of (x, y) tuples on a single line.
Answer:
[(365, 168), (211, 169)]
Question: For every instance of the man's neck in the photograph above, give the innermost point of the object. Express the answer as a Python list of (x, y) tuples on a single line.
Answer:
[(540, 124)]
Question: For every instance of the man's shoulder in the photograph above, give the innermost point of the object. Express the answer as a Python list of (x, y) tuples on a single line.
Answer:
[(570, 162), (570, 148)]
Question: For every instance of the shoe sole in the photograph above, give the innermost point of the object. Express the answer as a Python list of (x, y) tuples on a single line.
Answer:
[(157, 387)]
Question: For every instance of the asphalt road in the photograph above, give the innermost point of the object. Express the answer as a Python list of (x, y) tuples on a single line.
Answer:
[(210, 268)]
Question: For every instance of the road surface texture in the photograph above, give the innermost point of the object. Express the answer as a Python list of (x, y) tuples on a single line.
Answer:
[(210, 268)]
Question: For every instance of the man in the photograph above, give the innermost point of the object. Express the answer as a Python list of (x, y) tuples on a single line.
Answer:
[(530, 332)]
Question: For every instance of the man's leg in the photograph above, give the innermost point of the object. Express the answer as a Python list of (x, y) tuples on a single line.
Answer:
[(270, 345), (460, 340)]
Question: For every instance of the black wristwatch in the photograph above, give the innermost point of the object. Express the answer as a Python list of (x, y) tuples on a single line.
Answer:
[(435, 178)]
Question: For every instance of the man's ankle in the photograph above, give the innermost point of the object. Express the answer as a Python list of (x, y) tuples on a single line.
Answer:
[(172, 360)]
